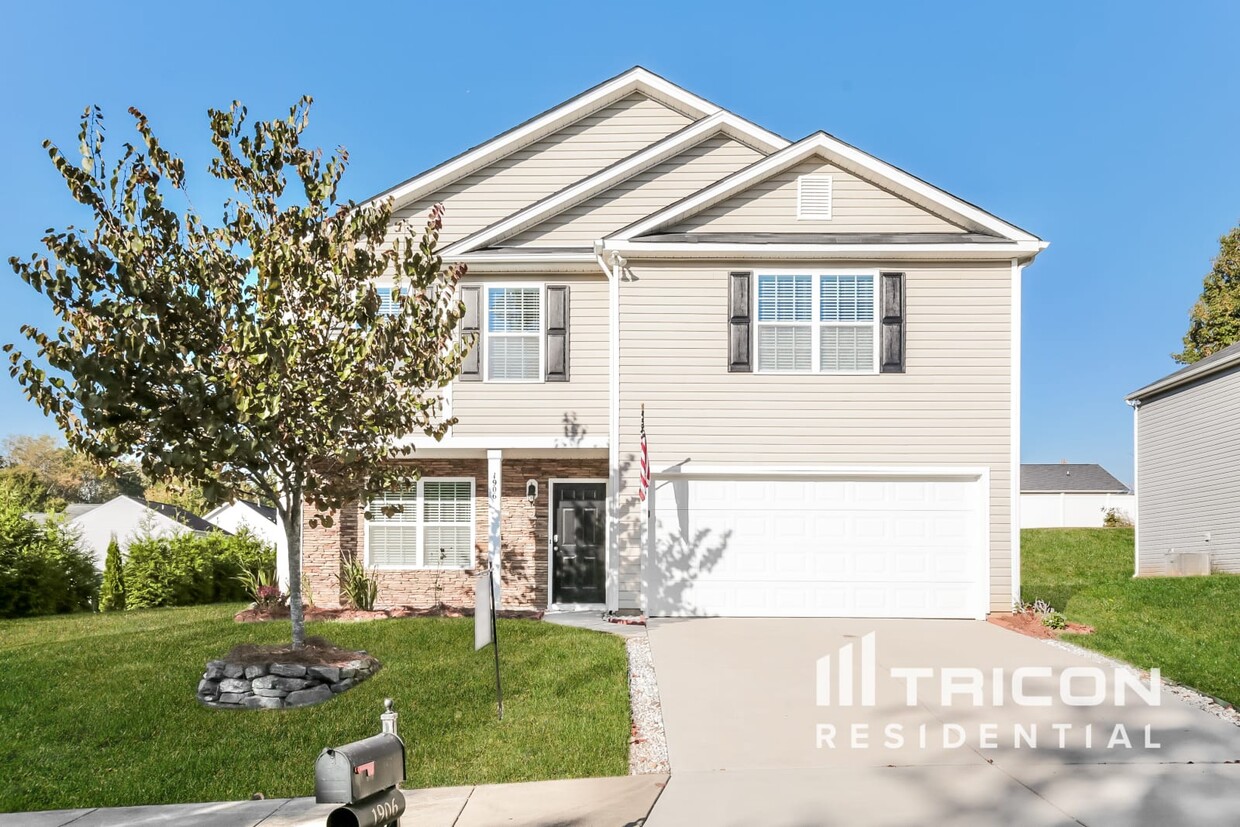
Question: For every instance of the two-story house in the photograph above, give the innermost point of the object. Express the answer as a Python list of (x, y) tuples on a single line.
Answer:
[(825, 350)]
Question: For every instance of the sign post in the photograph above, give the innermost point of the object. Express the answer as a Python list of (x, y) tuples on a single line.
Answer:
[(484, 628)]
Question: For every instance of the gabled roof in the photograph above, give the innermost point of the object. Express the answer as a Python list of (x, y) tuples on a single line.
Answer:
[(847, 157), (264, 511), (1069, 478), (1214, 363), (721, 122), (178, 514), (637, 79)]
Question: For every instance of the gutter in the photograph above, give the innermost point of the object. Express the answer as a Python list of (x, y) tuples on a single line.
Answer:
[(612, 271), (1182, 377)]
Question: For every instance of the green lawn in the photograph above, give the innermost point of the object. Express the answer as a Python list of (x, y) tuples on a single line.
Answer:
[(1189, 627), (99, 710)]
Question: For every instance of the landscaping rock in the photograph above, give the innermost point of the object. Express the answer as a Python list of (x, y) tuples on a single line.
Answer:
[(276, 682), (288, 670), (327, 674), (306, 697), (257, 671), (344, 686), (233, 670), (232, 699), (206, 687), (234, 686), (215, 670)]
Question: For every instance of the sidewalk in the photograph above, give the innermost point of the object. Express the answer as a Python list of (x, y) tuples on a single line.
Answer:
[(581, 802)]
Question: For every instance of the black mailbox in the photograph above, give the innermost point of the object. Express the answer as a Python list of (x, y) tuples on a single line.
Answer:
[(348, 774)]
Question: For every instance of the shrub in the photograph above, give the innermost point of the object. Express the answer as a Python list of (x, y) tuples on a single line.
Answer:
[(42, 568), (359, 585), (191, 569), (1114, 518), (262, 588), (1054, 620), (113, 596)]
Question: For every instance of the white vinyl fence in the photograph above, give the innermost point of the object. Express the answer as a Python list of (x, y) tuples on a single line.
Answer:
[(1084, 510)]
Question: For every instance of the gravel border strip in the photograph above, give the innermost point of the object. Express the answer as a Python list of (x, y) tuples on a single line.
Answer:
[(1190, 696), (648, 744)]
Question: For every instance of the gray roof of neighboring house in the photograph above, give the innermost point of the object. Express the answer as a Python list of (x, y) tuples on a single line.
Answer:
[(1215, 362), (266, 510), (1069, 477), (180, 515)]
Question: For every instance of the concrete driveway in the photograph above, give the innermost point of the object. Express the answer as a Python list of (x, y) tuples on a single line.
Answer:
[(750, 744)]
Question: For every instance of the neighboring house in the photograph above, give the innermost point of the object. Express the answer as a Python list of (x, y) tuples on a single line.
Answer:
[(1187, 468), (826, 348), (71, 510), (1071, 495), (260, 520), (124, 517)]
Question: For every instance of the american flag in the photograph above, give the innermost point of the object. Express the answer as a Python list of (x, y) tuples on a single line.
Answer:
[(645, 461)]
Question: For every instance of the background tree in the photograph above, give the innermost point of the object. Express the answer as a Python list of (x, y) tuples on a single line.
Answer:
[(66, 474), (250, 354), (1214, 321), (112, 595)]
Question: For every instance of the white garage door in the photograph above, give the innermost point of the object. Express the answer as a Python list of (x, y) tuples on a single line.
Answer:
[(816, 548)]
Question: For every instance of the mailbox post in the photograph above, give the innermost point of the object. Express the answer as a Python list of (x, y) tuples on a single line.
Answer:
[(363, 777)]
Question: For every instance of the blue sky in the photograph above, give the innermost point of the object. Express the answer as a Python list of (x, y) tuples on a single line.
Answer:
[(1109, 129)]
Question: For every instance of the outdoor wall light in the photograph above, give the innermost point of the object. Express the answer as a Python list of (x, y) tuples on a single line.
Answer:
[(531, 491)]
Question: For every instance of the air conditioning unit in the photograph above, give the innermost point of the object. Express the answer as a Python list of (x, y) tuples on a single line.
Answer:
[(1189, 563)]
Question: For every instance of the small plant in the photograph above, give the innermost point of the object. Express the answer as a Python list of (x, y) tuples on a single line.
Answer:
[(262, 588), (1114, 518), (112, 598), (443, 554), (1041, 608), (1054, 620), (360, 586), (306, 591)]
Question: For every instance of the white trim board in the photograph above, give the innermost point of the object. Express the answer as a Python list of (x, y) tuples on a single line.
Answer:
[(846, 157), (637, 79), (721, 122), (997, 251)]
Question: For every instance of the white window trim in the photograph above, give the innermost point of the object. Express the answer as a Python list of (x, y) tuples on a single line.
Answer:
[(485, 320), (815, 324), (830, 179), (421, 534)]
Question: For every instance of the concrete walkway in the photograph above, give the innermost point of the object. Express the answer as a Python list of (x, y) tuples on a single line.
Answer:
[(593, 620), (743, 730), (585, 802)]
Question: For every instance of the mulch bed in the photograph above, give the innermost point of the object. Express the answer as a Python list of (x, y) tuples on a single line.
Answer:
[(314, 613), (1028, 623), (317, 651)]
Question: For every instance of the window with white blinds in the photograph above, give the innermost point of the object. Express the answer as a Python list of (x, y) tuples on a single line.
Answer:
[(514, 334), (816, 323), (434, 527), (387, 305)]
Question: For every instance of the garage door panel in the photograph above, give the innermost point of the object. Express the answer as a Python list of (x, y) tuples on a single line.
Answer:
[(866, 548)]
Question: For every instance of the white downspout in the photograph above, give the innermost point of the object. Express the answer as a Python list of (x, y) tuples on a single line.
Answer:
[(1135, 404), (612, 272)]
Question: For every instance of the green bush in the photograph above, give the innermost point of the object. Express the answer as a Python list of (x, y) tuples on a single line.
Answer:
[(113, 597), (191, 569), (43, 571)]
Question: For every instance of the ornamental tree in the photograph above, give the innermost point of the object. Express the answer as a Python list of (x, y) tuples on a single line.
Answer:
[(250, 353), (1214, 321)]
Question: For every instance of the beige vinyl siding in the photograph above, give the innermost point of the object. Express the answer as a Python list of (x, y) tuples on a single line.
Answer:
[(857, 206), (639, 196), (951, 407), (1188, 485), (548, 165), (576, 408)]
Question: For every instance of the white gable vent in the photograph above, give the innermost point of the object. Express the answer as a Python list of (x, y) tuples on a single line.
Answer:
[(814, 196)]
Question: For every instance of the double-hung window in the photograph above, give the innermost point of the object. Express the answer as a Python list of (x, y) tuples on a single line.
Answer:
[(434, 527), (817, 323), (514, 335)]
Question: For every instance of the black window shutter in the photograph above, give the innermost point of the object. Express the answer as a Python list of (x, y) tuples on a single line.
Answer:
[(471, 334), (740, 329), (557, 333), (892, 339)]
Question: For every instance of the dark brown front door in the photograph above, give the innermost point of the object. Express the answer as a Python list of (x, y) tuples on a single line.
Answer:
[(578, 542)]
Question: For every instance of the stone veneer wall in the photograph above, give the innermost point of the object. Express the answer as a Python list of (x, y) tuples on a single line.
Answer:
[(523, 539)]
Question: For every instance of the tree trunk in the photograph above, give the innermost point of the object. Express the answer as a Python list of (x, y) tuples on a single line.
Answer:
[(292, 534)]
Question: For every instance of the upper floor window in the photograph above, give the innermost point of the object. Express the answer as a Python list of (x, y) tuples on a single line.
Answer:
[(514, 334), (816, 323)]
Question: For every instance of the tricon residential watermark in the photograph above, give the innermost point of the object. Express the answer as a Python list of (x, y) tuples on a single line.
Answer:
[(849, 678)]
